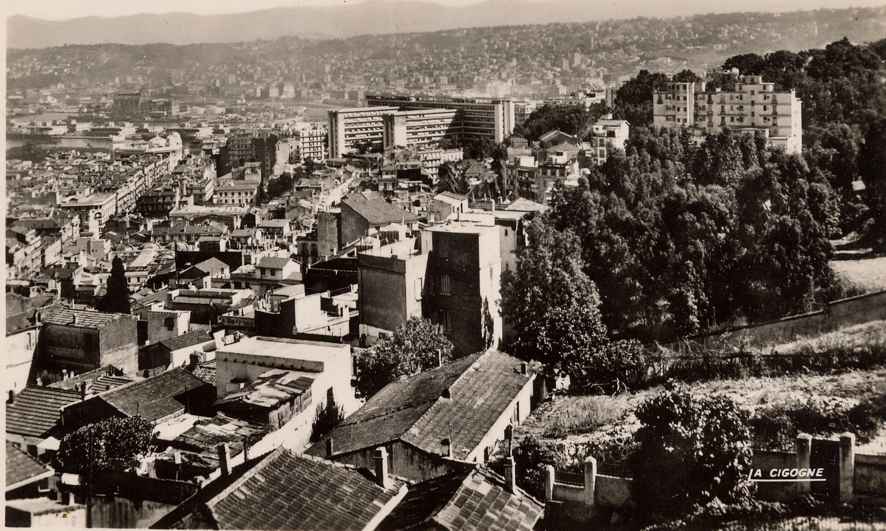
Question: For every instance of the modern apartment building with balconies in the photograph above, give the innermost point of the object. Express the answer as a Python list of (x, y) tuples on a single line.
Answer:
[(752, 106)]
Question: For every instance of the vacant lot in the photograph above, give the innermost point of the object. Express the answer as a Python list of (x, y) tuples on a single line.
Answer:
[(868, 274), (597, 418), (872, 334)]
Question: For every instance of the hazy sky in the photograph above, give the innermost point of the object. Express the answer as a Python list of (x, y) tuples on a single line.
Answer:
[(62, 9)]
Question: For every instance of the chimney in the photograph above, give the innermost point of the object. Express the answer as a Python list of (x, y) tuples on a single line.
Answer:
[(523, 369), (224, 459), (330, 447), (510, 475), (447, 451), (11, 398), (245, 449), (83, 391), (380, 465)]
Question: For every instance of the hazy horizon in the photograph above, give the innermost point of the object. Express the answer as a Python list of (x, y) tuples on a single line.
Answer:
[(59, 11)]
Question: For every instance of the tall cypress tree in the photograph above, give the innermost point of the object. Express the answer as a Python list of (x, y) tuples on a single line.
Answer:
[(116, 299)]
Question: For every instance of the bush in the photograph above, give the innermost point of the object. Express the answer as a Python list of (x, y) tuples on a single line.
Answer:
[(691, 450), (530, 459), (327, 417), (776, 427), (114, 444), (614, 367)]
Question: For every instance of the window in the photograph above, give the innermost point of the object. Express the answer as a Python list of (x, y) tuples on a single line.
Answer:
[(445, 285), (419, 286), (169, 323)]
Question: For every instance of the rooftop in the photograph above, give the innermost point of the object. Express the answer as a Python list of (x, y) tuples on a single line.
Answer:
[(270, 388), (284, 490), (156, 397), (295, 349), (188, 339), (36, 410), (377, 211), (59, 315), (472, 499), (480, 386), (22, 469)]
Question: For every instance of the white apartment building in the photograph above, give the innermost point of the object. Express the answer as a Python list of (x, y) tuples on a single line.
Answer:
[(754, 106), (351, 126)]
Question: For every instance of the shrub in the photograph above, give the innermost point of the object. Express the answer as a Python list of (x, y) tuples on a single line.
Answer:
[(327, 417), (691, 450), (530, 459), (776, 427), (114, 444)]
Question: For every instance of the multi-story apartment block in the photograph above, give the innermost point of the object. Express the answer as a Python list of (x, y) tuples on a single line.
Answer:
[(237, 193), (350, 127), (752, 107), (607, 133), (419, 129), (312, 142), (475, 117)]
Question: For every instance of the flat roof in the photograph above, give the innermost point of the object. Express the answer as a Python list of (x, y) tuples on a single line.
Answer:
[(463, 228), (299, 349)]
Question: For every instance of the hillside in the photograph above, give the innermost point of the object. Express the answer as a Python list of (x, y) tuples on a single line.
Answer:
[(466, 57), (372, 17)]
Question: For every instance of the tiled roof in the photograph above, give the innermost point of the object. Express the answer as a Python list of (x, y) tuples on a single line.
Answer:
[(287, 491), (525, 205), (36, 410), (59, 315), (97, 380), (188, 339), (156, 397), (273, 262), (481, 387), (21, 467), (474, 499), (212, 265), (377, 211)]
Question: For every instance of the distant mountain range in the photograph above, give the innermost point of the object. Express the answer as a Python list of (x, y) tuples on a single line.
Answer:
[(372, 17)]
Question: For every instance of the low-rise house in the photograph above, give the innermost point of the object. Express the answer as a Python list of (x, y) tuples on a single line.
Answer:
[(474, 498), (26, 477), (363, 214), (313, 372), (156, 399), (434, 422), (188, 444), (277, 229), (283, 490), (82, 340), (33, 415), (178, 351)]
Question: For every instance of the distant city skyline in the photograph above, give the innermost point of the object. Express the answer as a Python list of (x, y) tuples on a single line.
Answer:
[(58, 10)]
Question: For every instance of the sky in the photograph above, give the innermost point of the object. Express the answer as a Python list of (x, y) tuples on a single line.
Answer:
[(65, 9)]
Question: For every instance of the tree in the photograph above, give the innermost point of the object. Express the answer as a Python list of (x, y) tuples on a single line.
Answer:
[(116, 299), (115, 444), (551, 303), (686, 76), (872, 164), (417, 345), (328, 416), (691, 450)]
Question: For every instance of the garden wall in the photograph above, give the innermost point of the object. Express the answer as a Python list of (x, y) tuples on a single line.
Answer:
[(835, 315)]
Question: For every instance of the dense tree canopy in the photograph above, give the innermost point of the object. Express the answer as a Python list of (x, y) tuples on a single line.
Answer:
[(678, 240), (115, 444), (569, 118), (417, 345)]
